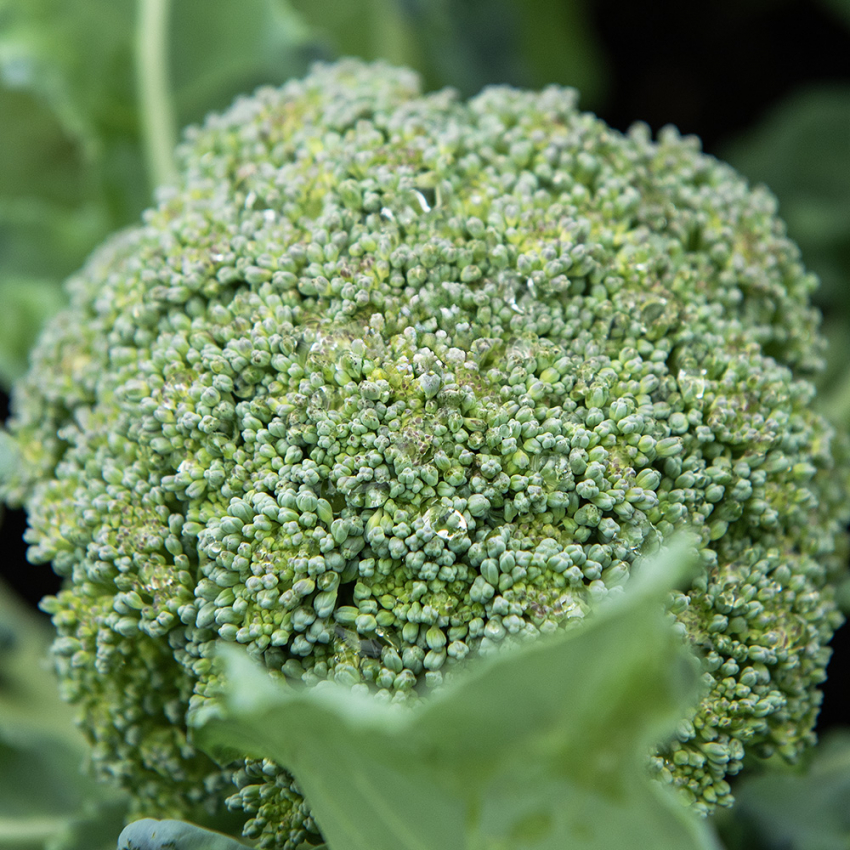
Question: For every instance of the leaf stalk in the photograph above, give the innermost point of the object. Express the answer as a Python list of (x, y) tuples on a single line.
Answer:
[(156, 108)]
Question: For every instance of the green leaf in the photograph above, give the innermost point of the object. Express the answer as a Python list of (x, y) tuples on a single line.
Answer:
[(48, 162), (370, 29), (229, 47), (796, 811), (46, 801), (35, 779), (29, 692), (149, 834), (800, 151), (78, 55), (27, 304), (74, 55), (94, 827), (468, 45), (558, 45), (71, 130), (840, 7), (49, 219), (543, 746)]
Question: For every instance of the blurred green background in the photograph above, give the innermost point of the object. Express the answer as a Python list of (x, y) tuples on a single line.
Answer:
[(93, 94)]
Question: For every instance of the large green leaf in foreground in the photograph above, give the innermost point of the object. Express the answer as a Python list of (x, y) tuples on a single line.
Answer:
[(543, 747)]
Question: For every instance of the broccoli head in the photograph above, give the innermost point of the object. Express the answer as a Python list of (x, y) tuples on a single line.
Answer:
[(391, 379)]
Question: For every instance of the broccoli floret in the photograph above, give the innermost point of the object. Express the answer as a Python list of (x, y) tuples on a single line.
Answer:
[(391, 379)]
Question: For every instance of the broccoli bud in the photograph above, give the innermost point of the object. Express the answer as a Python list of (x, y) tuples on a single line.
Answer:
[(389, 380)]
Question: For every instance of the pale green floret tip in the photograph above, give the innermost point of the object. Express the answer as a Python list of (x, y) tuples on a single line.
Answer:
[(390, 380)]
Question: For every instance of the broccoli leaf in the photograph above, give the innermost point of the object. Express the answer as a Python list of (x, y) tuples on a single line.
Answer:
[(28, 689), (467, 45), (541, 746), (800, 151), (70, 134), (78, 56), (370, 29), (796, 810), (558, 44), (27, 303), (149, 834), (48, 219), (46, 802), (223, 49)]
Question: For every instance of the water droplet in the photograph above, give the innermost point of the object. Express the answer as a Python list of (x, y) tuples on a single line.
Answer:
[(320, 400), (388, 636), (652, 310), (426, 207), (444, 521), (553, 468), (692, 386), (374, 495)]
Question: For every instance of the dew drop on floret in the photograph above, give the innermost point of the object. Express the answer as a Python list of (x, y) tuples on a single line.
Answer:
[(388, 380)]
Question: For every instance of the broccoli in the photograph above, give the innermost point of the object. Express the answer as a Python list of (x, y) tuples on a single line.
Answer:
[(389, 379)]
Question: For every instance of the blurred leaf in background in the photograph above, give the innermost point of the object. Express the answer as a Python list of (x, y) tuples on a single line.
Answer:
[(799, 810), (225, 48), (71, 141), (801, 150), (469, 45), (840, 7), (46, 800)]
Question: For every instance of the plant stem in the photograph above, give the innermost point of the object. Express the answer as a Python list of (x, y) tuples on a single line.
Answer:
[(159, 125)]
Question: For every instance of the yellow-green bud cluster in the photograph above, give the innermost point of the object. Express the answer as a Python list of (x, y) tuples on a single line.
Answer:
[(391, 379)]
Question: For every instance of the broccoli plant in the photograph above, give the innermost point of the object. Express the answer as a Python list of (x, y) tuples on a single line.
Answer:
[(390, 380)]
